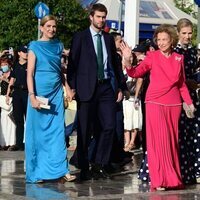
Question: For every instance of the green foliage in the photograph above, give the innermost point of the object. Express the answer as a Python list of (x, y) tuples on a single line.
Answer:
[(71, 16), (189, 9), (186, 7), (19, 23)]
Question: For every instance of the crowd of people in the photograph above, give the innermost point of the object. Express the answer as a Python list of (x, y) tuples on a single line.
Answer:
[(14, 88), (148, 94)]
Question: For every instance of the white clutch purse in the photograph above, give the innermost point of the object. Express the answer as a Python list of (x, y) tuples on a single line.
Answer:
[(45, 102)]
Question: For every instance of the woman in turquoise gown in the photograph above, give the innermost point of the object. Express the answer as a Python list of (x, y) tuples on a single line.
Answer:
[(45, 147)]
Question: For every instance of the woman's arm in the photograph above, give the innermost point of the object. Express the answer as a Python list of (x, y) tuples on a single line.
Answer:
[(137, 91), (138, 87), (141, 69), (4, 52), (30, 74), (11, 83), (69, 92)]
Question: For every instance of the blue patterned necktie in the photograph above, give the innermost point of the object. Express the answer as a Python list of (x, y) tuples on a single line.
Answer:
[(100, 58)]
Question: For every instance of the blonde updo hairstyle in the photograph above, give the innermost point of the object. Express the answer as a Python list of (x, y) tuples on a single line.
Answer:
[(183, 22), (170, 30), (45, 19)]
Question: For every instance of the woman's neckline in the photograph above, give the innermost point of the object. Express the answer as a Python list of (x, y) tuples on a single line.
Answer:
[(52, 40), (166, 55)]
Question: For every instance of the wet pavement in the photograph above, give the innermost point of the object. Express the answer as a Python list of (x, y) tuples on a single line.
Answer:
[(123, 186)]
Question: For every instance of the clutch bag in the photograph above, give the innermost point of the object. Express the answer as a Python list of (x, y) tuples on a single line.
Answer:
[(189, 113), (44, 101)]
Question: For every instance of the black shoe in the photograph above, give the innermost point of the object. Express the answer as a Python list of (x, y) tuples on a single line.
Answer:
[(126, 161), (99, 172), (113, 168), (128, 154), (85, 175), (5, 148), (13, 148)]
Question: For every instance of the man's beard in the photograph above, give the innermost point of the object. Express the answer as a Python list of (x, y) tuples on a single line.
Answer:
[(100, 28)]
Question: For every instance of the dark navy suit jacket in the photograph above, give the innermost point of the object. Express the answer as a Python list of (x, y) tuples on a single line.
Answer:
[(82, 65)]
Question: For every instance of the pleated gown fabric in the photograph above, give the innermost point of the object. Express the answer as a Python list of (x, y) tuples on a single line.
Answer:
[(163, 101), (162, 145)]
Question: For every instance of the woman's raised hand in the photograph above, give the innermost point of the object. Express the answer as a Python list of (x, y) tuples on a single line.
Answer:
[(126, 53)]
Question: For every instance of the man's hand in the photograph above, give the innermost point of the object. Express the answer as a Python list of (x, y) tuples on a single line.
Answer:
[(119, 96)]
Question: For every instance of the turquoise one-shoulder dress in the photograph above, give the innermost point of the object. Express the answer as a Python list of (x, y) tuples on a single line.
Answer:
[(45, 147)]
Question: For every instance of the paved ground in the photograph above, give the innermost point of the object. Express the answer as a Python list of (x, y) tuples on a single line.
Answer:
[(123, 186)]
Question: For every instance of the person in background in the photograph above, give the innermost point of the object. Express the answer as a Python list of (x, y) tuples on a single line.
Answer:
[(150, 45), (198, 54), (45, 146), (118, 156), (7, 129), (94, 74), (163, 106), (132, 105), (20, 95), (70, 119), (189, 128)]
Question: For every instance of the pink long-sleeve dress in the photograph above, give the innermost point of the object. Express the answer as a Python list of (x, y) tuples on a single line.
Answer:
[(164, 96)]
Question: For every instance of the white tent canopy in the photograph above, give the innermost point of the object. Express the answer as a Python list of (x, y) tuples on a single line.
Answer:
[(151, 11)]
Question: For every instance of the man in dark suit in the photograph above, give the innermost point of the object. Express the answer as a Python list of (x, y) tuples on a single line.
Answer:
[(96, 83)]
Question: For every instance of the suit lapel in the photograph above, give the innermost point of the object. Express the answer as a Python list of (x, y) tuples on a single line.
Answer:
[(89, 42)]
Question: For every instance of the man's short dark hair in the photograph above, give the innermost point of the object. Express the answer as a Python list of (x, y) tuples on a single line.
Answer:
[(98, 7)]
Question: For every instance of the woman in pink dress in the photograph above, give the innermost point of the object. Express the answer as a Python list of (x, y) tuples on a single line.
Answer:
[(163, 101)]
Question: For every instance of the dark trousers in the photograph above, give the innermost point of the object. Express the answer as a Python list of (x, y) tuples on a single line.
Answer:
[(19, 110), (117, 153), (96, 118)]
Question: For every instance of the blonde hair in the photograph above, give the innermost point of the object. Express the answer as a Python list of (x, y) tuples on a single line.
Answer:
[(47, 18), (183, 22), (170, 30)]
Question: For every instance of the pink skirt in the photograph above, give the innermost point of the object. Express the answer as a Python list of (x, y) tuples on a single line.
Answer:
[(162, 145)]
